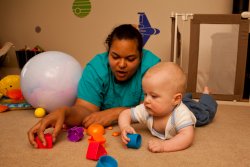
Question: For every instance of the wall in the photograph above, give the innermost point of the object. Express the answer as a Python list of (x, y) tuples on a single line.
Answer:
[(84, 37)]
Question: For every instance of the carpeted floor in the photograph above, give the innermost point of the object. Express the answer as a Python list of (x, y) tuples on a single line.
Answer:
[(224, 142)]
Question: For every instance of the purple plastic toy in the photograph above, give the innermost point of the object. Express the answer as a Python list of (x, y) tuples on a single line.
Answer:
[(75, 134)]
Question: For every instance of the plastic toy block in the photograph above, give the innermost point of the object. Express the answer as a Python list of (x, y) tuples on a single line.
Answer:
[(97, 138), (75, 134), (49, 141), (95, 151)]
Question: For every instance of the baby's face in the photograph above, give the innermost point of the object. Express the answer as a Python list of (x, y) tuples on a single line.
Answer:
[(159, 99)]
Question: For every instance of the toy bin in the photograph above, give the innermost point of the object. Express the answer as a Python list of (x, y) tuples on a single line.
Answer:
[(23, 56)]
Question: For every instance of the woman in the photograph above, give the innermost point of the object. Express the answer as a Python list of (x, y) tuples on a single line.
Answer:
[(110, 83)]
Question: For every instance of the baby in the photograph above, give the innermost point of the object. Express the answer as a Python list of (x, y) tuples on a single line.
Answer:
[(162, 110)]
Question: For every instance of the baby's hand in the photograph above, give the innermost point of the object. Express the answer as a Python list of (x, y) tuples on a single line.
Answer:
[(156, 146), (125, 131)]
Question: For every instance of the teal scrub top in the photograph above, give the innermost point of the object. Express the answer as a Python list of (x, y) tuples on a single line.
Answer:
[(98, 86)]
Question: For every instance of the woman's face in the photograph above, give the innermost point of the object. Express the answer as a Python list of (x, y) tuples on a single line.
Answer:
[(124, 58)]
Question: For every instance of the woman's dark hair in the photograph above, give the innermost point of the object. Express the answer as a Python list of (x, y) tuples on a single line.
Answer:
[(125, 31)]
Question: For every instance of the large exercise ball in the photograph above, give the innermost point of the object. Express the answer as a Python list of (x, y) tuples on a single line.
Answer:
[(49, 80)]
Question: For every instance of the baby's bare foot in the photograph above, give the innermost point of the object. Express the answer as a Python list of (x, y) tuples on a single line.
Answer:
[(206, 90)]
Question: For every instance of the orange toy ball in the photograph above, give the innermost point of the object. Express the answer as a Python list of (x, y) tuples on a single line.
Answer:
[(95, 129)]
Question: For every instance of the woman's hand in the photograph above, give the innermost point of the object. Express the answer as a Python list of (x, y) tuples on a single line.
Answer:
[(54, 119), (101, 117), (106, 117)]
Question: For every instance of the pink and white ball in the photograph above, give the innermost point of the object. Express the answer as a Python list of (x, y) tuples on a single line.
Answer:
[(49, 80)]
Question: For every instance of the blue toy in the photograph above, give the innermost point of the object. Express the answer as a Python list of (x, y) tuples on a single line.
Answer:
[(106, 161), (135, 141)]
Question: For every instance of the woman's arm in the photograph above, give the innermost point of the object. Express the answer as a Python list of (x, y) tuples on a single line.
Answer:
[(81, 113), (71, 116), (106, 117)]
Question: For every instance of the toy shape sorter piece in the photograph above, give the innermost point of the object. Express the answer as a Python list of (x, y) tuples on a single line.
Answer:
[(49, 141), (75, 134)]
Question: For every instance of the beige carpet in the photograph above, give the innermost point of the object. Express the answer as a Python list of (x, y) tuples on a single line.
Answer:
[(224, 142)]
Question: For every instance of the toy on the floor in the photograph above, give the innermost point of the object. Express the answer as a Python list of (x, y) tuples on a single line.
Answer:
[(107, 161), (96, 141), (49, 80), (49, 141), (10, 87), (96, 132), (116, 134), (75, 134), (98, 138), (39, 112), (110, 128), (9, 104), (95, 129), (135, 141), (95, 150), (11, 97), (3, 108)]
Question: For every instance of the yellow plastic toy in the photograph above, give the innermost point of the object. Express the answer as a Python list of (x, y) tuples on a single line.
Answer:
[(11, 94), (10, 87), (39, 112)]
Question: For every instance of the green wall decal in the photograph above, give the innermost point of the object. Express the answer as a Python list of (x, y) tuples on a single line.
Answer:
[(81, 8)]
